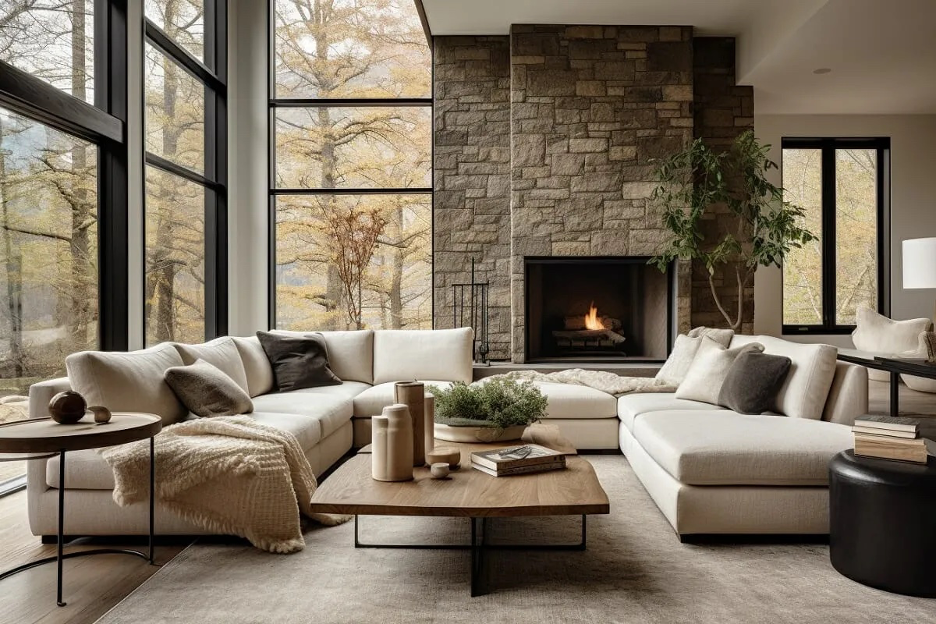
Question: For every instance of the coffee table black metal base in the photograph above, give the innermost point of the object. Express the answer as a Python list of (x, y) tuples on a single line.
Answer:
[(479, 582), (61, 556)]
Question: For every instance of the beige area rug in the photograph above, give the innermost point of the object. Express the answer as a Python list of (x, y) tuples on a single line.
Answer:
[(634, 571)]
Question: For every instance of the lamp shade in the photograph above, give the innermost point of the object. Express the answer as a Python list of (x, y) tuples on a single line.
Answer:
[(919, 263)]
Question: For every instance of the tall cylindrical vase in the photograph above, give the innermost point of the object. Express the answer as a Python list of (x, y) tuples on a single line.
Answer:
[(412, 395), (429, 418), (379, 426), (398, 456)]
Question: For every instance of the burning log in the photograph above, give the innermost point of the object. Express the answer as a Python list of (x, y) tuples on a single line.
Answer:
[(589, 330)]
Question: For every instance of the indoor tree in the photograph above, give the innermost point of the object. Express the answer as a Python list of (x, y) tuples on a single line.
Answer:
[(698, 182)]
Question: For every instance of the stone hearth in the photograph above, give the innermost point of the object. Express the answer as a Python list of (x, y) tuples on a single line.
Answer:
[(544, 142)]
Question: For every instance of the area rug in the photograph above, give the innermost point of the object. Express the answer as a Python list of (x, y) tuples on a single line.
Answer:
[(634, 571)]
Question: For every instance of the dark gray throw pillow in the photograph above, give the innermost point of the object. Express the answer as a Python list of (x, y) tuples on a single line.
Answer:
[(753, 382), (298, 362), (206, 390)]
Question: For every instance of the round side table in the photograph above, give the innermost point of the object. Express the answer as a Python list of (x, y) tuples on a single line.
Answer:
[(42, 438), (882, 522)]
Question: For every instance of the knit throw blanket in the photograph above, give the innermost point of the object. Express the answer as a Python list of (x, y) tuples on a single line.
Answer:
[(229, 475), (599, 380)]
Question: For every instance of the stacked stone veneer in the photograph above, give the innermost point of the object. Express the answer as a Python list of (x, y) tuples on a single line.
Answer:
[(471, 160), (544, 142), (723, 110)]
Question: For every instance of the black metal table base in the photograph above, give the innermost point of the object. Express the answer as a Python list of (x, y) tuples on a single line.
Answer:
[(61, 556), (478, 546)]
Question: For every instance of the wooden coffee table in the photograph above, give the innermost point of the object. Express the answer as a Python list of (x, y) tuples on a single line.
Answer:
[(467, 493)]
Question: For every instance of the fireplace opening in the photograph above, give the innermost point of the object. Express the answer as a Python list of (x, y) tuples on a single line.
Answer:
[(597, 309)]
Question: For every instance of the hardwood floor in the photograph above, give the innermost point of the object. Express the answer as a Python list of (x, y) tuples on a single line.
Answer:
[(92, 584), (95, 584)]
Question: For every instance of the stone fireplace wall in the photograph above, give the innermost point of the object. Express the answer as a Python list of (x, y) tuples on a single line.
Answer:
[(543, 147)]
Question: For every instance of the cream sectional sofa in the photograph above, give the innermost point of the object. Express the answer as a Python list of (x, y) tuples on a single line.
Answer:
[(327, 421), (709, 469), (714, 471)]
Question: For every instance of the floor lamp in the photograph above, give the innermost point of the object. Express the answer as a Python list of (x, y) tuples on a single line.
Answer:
[(919, 271)]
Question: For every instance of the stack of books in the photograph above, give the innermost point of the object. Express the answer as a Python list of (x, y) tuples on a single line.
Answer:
[(894, 438), (517, 460)]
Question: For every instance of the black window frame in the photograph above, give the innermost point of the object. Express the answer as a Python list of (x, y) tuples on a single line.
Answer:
[(274, 103), (212, 74), (103, 124), (828, 146)]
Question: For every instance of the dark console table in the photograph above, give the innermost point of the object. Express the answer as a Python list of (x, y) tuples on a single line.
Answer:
[(895, 367)]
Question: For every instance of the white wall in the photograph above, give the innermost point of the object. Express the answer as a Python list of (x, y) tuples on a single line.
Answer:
[(247, 161), (913, 202)]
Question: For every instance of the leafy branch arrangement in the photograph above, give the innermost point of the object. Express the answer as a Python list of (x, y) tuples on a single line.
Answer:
[(697, 181), (499, 403)]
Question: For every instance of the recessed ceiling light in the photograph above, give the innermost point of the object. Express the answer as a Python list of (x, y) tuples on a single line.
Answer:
[(823, 70)]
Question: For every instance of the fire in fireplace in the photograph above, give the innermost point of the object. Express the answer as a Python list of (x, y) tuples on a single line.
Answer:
[(597, 309)]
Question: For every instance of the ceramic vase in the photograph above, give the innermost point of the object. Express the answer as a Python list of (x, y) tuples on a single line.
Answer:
[(392, 445), (429, 422), (412, 395)]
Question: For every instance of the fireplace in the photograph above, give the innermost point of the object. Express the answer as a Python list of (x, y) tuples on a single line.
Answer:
[(597, 309)]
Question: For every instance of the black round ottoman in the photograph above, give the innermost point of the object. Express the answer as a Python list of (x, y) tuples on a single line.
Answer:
[(882, 523)]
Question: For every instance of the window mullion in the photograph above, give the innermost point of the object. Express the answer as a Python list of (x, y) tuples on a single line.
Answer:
[(828, 236)]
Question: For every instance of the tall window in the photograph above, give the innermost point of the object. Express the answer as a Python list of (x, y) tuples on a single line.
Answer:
[(62, 191), (185, 127), (350, 173), (841, 183)]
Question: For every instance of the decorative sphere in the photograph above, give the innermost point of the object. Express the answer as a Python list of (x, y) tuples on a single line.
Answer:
[(67, 408)]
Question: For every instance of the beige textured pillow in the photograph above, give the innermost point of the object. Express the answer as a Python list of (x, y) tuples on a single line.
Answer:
[(709, 370), (721, 336), (222, 353), (207, 391), (677, 364)]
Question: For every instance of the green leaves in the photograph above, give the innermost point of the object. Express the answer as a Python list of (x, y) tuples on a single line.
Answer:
[(692, 183), (499, 403)]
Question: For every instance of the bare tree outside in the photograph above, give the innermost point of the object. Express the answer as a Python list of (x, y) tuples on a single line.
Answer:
[(345, 49), (856, 235)]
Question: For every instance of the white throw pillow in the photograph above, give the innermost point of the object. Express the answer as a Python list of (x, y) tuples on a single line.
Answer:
[(709, 369), (876, 333), (721, 336), (680, 359)]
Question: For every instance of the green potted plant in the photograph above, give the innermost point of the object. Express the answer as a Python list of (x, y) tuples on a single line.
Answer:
[(699, 181), (499, 409)]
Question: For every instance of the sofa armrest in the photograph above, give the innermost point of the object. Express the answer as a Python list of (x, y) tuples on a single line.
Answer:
[(41, 393), (848, 396)]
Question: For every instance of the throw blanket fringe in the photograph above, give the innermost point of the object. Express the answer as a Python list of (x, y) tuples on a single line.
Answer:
[(599, 380), (228, 475)]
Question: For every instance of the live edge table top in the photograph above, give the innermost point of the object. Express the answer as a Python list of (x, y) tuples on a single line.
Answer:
[(466, 493)]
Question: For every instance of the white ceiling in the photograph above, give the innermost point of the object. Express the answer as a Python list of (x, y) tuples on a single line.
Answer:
[(882, 52)]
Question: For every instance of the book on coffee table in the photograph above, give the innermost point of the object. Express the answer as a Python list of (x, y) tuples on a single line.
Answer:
[(556, 465), (516, 457), (885, 447), (886, 424)]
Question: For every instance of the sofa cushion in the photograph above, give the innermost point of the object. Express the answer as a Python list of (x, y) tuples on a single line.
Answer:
[(812, 367), (257, 367), (630, 406), (571, 401), (207, 391), (709, 370), (87, 470), (405, 355), (346, 389), (720, 335), (330, 410), (372, 401), (221, 353), (128, 382), (676, 366), (720, 447), (350, 353)]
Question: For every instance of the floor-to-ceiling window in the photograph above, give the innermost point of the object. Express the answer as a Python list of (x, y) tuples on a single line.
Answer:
[(842, 185), (350, 170), (185, 134), (63, 191)]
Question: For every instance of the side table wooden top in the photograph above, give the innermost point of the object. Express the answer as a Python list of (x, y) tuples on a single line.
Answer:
[(47, 436)]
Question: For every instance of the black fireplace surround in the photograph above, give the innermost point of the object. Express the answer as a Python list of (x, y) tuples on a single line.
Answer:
[(631, 304)]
